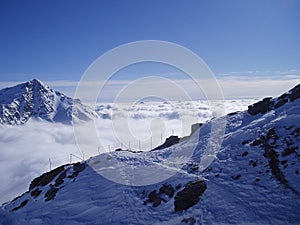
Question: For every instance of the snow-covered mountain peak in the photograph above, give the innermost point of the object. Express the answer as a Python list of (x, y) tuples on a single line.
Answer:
[(34, 99), (37, 83)]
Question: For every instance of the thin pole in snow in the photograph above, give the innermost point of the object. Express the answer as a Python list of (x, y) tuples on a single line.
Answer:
[(139, 144), (99, 150), (75, 157), (108, 148)]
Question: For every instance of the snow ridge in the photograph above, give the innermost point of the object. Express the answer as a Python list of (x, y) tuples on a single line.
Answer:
[(34, 99)]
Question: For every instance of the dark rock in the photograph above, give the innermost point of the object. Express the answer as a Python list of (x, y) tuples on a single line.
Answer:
[(236, 177), (272, 155), (189, 221), (295, 93), (288, 128), (283, 96), (244, 142), (296, 132), (154, 198), (18, 197), (244, 154), (283, 162), (232, 114), (46, 178), (207, 169), (272, 135), (268, 104), (21, 205), (167, 189), (60, 179), (178, 186), (256, 142), (261, 107), (78, 168), (268, 144), (189, 196), (280, 103), (289, 150), (50, 194), (192, 166), (172, 140), (253, 163), (35, 193)]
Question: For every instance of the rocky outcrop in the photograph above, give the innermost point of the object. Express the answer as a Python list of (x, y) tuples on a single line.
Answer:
[(189, 195), (52, 185), (21, 205), (165, 193), (77, 168), (172, 140), (186, 196), (268, 104), (269, 143), (189, 221), (154, 198), (46, 178), (262, 107), (50, 194)]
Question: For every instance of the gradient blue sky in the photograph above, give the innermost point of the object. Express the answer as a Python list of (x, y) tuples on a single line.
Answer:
[(58, 40)]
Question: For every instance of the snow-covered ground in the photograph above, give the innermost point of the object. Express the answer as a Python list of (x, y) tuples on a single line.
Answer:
[(253, 179)]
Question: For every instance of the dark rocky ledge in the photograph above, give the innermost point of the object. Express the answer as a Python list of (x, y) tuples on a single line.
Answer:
[(189, 195), (268, 104)]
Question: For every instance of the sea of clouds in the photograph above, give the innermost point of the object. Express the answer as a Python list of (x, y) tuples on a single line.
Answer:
[(29, 150)]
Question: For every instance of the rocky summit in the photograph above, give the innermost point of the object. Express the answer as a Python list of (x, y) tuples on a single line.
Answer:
[(34, 99)]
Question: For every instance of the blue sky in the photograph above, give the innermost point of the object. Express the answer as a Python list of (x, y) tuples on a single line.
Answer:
[(58, 40)]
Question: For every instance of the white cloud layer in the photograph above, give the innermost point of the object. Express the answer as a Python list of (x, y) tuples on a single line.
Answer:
[(26, 150)]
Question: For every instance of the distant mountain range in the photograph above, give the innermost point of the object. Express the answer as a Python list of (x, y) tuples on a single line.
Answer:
[(34, 99), (254, 179)]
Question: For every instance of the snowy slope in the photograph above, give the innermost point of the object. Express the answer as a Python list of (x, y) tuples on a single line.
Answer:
[(254, 179), (33, 99)]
